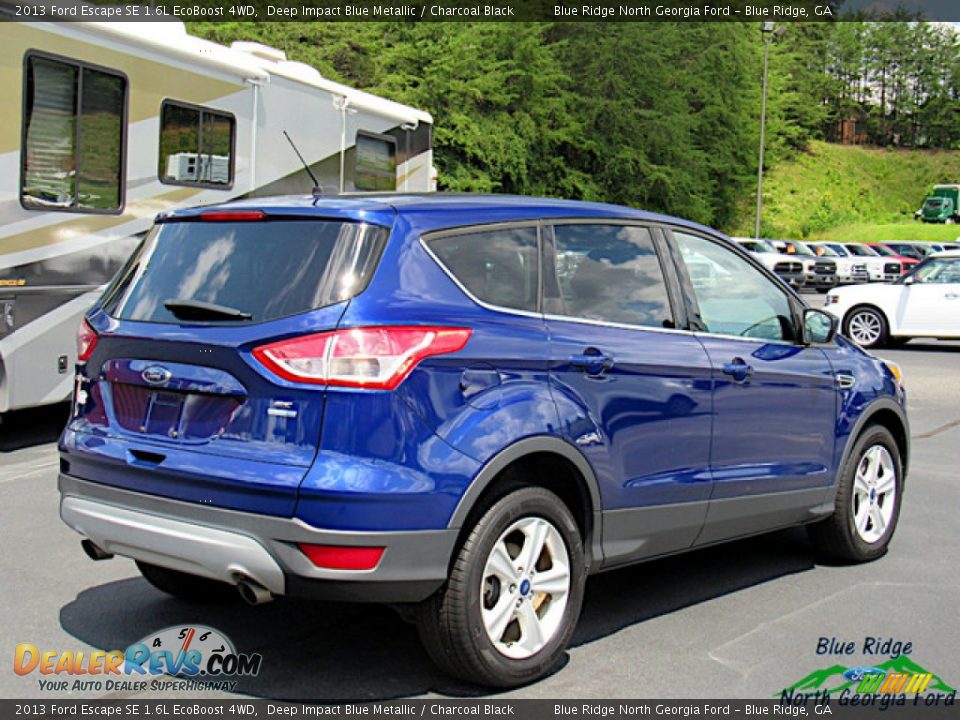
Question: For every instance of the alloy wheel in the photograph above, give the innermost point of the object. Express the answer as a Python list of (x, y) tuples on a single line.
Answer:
[(865, 328), (525, 587), (874, 493)]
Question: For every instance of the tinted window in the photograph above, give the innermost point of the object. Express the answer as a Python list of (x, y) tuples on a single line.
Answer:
[(376, 167), (73, 137), (905, 250), (937, 271), (196, 145), (267, 269), (611, 273), (497, 266), (734, 297)]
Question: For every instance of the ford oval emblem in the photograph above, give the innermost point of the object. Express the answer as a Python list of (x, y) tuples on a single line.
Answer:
[(156, 375)]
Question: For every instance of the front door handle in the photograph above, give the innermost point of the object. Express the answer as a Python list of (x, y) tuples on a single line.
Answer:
[(738, 370), (592, 361), (845, 381), (951, 296)]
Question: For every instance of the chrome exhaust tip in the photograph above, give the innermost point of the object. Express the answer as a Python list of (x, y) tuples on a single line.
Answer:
[(253, 593), (94, 551)]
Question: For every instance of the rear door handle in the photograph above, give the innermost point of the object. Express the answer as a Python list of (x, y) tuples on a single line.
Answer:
[(951, 296), (592, 362), (738, 370)]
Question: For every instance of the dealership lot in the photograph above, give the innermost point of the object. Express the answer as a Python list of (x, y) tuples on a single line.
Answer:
[(740, 620)]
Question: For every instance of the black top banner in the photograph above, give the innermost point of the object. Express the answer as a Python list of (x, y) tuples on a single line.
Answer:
[(483, 10)]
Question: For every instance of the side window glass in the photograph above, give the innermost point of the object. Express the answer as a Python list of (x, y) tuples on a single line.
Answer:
[(611, 273), (376, 163), (497, 266), (937, 272), (196, 146), (733, 296), (73, 138)]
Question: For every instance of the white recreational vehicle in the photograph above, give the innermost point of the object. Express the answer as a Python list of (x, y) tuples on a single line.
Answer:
[(104, 125)]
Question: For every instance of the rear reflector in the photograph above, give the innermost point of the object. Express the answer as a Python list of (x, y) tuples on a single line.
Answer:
[(86, 341), (232, 215), (336, 557), (378, 358)]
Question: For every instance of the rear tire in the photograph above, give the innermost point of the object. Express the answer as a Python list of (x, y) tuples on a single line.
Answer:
[(868, 501), (866, 326), (187, 587), (495, 625)]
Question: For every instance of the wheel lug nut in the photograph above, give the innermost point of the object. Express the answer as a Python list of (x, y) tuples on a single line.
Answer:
[(513, 588)]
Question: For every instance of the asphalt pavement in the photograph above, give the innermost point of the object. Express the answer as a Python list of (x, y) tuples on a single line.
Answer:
[(738, 620)]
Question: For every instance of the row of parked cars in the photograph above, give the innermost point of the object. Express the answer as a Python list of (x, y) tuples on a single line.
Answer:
[(823, 265)]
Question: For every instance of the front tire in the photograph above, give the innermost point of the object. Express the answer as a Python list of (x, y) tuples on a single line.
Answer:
[(868, 500), (514, 594), (866, 326), (191, 588)]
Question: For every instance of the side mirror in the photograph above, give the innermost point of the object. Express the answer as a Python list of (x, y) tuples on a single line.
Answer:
[(909, 280), (818, 326)]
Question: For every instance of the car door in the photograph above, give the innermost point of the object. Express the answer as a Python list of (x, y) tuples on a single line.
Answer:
[(930, 303), (774, 399), (632, 391)]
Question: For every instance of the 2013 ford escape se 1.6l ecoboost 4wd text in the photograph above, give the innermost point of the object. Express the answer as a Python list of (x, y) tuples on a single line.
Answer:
[(462, 405)]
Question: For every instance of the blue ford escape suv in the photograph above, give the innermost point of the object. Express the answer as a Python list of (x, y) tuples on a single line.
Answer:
[(462, 405)]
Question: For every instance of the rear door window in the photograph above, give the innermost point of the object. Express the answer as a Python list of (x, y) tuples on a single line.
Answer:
[(265, 270), (611, 273), (498, 266)]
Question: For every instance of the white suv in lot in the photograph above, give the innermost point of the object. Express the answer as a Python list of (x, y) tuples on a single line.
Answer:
[(923, 303), (850, 269), (819, 273), (880, 269), (790, 270)]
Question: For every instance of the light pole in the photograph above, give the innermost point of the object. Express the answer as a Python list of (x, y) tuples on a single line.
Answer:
[(766, 33)]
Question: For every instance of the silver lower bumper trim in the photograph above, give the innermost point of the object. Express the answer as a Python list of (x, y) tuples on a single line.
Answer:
[(190, 548)]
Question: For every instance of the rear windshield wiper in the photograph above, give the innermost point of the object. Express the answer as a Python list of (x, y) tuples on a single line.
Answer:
[(197, 310)]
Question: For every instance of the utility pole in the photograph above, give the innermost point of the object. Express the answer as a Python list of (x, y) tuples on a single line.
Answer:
[(766, 34)]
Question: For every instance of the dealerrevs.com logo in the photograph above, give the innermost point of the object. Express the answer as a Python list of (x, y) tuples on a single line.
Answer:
[(203, 656)]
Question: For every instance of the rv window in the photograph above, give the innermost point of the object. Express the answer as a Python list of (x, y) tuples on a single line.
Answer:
[(73, 137), (376, 167), (196, 146)]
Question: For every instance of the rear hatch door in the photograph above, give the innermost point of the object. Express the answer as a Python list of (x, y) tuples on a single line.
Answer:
[(172, 402)]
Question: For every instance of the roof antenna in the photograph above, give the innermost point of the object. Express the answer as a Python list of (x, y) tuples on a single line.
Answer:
[(317, 187)]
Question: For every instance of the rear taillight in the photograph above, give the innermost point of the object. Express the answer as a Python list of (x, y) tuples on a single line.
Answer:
[(86, 341), (379, 358), (339, 557)]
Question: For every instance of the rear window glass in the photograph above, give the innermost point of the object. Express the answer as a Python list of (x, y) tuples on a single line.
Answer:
[(264, 270), (497, 266)]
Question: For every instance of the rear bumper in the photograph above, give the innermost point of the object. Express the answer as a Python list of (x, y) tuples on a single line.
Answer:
[(230, 545)]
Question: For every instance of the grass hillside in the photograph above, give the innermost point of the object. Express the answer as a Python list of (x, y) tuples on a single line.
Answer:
[(840, 192)]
